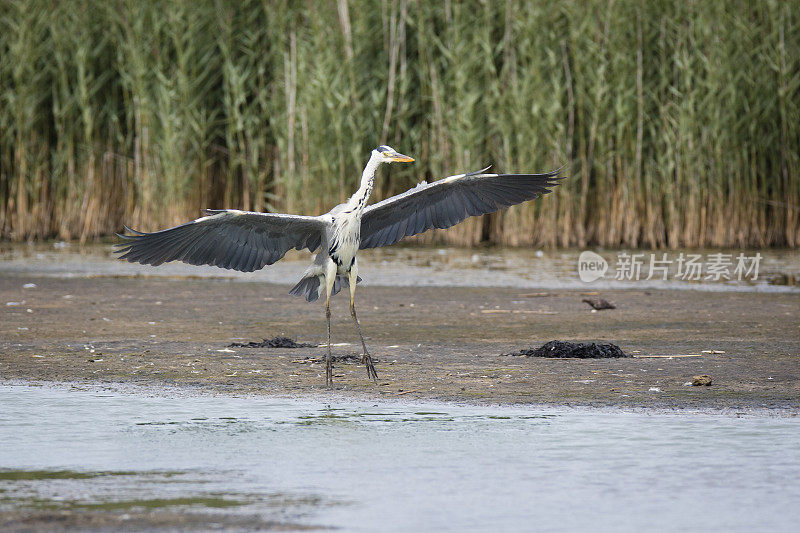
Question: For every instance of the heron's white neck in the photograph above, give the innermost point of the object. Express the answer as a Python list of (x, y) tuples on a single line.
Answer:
[(359, 199)]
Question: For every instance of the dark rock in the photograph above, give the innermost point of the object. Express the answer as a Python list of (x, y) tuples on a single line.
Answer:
[(274, 342), (561, 349), (599, 303)]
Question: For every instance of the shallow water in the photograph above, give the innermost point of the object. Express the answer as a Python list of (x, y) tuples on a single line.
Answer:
[(779, 270), (367, 466)]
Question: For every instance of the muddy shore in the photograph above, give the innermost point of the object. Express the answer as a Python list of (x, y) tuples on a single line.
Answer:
[(429, 343)]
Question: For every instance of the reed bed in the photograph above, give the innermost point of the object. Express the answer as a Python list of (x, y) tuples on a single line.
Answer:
[(678, 122)]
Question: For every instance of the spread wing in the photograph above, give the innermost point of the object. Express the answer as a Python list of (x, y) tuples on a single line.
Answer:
[(238, 240), (447, 202)]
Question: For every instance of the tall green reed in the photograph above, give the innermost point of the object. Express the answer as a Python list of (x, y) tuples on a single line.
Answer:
[(678, 123)]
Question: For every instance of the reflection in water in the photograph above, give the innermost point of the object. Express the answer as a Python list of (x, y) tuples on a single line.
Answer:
[(395, 466), (779, 270)]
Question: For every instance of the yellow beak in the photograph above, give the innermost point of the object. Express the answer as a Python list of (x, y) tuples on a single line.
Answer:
[(400, 158)]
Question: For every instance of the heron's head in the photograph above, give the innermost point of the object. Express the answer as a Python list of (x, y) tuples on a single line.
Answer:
[(387, 154)]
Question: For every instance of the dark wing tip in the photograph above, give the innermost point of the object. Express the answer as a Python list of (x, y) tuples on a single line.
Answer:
[(128, 238), (129, 235), (129, 230), (555, 174)]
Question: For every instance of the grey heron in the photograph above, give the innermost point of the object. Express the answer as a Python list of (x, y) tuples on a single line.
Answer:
[(247, 241)]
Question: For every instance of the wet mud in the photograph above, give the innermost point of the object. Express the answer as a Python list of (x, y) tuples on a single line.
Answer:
[(429, 343), (138, 517)]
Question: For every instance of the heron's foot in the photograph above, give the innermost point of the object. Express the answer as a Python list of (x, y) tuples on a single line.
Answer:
[(366, 360), (329, 372)]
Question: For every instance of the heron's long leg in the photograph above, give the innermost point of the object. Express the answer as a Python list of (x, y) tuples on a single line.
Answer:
[(366, 359), (328, 360), (330, 277)]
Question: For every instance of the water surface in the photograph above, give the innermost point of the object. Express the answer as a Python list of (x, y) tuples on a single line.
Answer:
[(394, 466)]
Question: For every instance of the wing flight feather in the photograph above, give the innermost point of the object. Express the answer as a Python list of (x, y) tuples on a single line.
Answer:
[(447, 202), (228, 238)]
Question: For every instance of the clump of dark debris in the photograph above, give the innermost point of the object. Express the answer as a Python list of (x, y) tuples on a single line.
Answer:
[(274, 342), (703, 380), (347, 358), (580, 350)]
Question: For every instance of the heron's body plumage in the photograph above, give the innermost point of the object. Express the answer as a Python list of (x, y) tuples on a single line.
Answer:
[(341, 242), (248, 241)]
